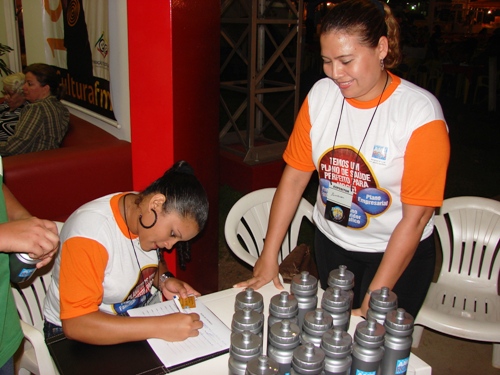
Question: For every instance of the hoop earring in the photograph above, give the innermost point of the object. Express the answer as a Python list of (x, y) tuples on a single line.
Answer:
[(382, 65), (148, 226)]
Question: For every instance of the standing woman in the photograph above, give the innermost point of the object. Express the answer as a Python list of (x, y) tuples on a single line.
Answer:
[(380, 146), (110, 261), (44, 122), (14, 102)]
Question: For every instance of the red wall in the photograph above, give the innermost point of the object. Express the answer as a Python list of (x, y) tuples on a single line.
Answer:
[(174, 91)]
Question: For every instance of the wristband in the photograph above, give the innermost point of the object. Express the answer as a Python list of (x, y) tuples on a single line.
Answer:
[(165, 276)]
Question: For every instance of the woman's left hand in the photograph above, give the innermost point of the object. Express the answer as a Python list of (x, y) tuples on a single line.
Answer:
[(173, 286)]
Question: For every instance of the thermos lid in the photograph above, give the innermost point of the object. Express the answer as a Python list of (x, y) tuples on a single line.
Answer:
[(284, 335), (335, 300), (247, 319), (249, 298), (308, 359), (369, 333), (336, 343), (317, 322), (399, 323), (304, 284), (383, 300), (245, 344), (341, 277), (284, 305), (262, 365), (25, 258)]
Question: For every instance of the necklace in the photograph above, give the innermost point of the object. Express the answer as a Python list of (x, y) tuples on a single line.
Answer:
[(369, 124)]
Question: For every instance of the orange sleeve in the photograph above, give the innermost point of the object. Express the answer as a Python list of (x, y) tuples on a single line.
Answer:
[(298, 152), (83, 262), (425, 165)]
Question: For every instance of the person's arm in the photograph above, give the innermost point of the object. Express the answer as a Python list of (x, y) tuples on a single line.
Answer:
[(27, 129), (400, 250), (15, 210), (172, 286), (99, 328), (24, 233), (285, 202)]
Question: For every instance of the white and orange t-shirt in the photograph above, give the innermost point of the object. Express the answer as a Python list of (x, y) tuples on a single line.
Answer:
[(97, 268), (403, 157)]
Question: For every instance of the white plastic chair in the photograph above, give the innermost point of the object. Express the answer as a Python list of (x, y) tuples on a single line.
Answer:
[(465, 302), (247, 221), (35, 357)]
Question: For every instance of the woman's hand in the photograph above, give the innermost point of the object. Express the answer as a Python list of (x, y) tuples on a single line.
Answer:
[(179, 327), (173, 286), (36, 237), (264, 271)]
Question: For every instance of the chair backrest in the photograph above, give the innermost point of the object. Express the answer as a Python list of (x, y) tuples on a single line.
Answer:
[(246, 225), (469, 231)]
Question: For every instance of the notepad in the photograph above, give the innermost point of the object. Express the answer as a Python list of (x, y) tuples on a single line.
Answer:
[(213, 340)]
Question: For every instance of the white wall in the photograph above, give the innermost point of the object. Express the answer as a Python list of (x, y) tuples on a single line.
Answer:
[(118, 45)]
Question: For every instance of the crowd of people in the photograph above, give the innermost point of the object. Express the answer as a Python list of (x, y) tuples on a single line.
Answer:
[(378, 143)]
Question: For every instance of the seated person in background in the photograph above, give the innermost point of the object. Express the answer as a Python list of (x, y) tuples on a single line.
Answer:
[(19, 232), (12, 105), (44, 122), (110, 260)]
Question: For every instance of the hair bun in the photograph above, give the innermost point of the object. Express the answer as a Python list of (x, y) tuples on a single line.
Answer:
[(183, 166)]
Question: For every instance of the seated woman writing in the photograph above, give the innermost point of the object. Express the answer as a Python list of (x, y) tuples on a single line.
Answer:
[(14, 102), (44, 122), (110, 261)]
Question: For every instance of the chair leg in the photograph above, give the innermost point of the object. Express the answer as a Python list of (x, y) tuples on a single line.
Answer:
[(496, 355), (417, 335)]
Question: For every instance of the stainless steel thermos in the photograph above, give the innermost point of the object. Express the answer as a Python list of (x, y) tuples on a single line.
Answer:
[(367, 349), (337, 303), (308, 359), (249, 298), (304, 287), (316, 323), (248, 319), (22, 267), (398, 330), (262, 365), (244, 347), (382, 301), (337, 345), (284, 337), (283, 306)]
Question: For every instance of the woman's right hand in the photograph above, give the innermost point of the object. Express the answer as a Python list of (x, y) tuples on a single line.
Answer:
[(264, 271), (179, 326)]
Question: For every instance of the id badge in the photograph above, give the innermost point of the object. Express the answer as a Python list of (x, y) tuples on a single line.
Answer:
[(338, 204)]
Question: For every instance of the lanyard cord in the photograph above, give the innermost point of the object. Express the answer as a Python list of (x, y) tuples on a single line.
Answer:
[(132, 243), (366, 133)]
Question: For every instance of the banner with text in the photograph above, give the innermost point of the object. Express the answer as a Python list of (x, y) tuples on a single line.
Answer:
[(77, 38)]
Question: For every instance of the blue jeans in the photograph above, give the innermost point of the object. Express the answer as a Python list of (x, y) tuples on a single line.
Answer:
[(8, 367), (51, 330)]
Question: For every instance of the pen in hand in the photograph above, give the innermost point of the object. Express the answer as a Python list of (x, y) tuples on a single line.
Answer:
[(178, 304)]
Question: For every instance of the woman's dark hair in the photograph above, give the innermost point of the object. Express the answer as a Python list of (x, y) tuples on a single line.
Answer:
[(47, 75), (186, 196), (370, 19)]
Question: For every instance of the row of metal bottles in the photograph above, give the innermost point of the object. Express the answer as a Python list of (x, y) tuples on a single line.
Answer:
[(305, 339)]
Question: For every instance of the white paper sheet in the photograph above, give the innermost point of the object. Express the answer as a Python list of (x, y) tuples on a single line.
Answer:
[(214, 337)]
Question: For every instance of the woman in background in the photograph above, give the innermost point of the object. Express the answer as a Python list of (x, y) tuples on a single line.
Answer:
[(14, 102), (44, 122)]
